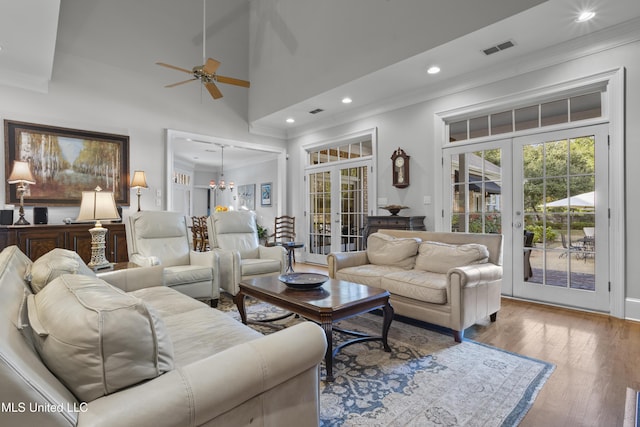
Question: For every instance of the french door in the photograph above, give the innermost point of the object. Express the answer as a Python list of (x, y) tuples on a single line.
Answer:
[(561, 196), (553, 186), (337, 208)]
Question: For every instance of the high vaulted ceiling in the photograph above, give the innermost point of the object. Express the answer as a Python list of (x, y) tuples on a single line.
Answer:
[(133, 35)]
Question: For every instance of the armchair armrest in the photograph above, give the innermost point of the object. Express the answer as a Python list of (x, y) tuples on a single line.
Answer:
[(339, 260), (133, 279), (230, 269), (277, 253), (201, 391), (475, 274)]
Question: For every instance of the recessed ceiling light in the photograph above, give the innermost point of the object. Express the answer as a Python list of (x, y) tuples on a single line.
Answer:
[(585, 16), (290, 120), (347, 100), (434, 69)]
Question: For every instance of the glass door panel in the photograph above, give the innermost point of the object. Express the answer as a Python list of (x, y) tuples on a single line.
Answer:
[(338, 205), (556, 176)]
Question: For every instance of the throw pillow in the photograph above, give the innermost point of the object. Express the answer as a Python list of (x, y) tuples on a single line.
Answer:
[(96, 338), (383, 249), (54, 263), (440, 257)]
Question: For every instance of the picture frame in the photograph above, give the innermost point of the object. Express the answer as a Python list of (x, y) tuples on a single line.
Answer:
[(247, 196), (66, 162), (265, 194)]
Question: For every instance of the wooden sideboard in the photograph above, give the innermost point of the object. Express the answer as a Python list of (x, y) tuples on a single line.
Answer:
[(393, 222), (37, 240)]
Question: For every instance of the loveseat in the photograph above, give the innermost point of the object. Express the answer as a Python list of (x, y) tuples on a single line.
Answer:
[(84, 352), (447, 279)]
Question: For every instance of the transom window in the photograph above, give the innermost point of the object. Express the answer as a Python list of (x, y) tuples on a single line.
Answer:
[(572, 109), (353, 150)]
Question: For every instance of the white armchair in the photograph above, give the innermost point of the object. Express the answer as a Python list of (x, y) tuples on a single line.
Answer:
[(162, 238), (234, 236)]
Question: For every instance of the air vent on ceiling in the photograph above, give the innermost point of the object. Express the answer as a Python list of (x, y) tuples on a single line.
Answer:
[(497, 48), (316, 111)]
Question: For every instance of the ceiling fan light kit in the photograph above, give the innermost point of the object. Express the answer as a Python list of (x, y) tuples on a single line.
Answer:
[(206, 73)]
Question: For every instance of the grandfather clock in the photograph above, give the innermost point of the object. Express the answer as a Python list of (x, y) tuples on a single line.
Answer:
[(400, 167)]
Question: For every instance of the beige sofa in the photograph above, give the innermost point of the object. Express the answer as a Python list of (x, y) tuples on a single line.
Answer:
[(84, 352), (447, 279)]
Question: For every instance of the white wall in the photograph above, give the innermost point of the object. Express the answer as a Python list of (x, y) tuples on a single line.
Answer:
[(86, 93), (413, 129)]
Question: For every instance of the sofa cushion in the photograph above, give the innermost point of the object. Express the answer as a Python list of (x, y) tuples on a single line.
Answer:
[(367, 274), (440, 257), (96, 338), (387, 250), (53, 264), (417, 284)]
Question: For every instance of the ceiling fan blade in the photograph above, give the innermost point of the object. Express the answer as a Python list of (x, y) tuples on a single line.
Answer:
[(184, 70), (211, 66), (232, 81), (181, 83), (213, 90)]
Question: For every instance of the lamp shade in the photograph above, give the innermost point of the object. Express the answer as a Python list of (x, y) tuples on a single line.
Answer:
[(139, 180), (97, 205), (21, 173)]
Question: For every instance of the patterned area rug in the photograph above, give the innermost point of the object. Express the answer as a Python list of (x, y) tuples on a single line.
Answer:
[(427, 379)]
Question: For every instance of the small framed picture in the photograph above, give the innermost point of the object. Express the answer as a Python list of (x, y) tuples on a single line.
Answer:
[(265, 194)]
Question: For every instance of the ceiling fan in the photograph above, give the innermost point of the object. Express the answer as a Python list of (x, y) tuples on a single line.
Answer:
[(206, 73)]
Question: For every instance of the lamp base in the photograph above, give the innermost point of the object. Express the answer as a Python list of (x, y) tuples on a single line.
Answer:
[(22, 221), (98, 245)]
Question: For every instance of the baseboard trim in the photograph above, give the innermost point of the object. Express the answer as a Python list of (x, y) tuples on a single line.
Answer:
[(632, 309), (631, 409)]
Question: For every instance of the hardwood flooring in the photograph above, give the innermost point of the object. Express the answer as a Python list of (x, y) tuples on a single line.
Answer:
[(597, 357)]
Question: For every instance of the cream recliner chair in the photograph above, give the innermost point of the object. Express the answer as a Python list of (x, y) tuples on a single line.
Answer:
[(162, 238), (234, 236)]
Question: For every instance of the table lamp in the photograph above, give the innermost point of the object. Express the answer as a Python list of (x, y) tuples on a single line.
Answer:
[(139, 181), (21, 175), (96, 206)]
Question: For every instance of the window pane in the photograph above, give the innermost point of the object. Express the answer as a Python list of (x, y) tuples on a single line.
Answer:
[(479, 127), (526, 118), (458, 131), (501, 123), (585, 106), (556, 157), (366, 148), (554, 112)]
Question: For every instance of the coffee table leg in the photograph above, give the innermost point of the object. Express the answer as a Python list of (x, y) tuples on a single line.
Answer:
[(387, 311), (327, 325), (238, 299)]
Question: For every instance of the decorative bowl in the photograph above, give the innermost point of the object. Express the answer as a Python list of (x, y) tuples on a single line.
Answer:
[(394, 209), (303, 281)]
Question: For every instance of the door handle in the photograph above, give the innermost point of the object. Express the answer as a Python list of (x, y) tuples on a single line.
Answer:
[(517, 224)]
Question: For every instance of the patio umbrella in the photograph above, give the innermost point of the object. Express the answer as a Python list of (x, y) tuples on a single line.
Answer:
[(584, 200)]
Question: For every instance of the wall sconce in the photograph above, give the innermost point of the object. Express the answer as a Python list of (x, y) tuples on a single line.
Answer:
[(139, 182), (96, 206), (21, 175)]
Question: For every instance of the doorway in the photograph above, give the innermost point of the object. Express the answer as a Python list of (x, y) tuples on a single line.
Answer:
[(338, 198), (541, 186)]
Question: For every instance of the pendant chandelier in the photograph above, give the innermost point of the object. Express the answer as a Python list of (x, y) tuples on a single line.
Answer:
[(221, 185)]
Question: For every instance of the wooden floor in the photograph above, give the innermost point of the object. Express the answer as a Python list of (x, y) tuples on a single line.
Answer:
[(597, 357)]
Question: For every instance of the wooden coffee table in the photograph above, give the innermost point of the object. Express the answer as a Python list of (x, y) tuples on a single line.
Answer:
[(335, 300)]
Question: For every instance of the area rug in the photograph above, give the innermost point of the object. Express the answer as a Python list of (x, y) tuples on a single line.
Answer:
[(427, 380)]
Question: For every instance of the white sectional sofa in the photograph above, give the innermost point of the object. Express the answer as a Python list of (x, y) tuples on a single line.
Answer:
[(83, 352)]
